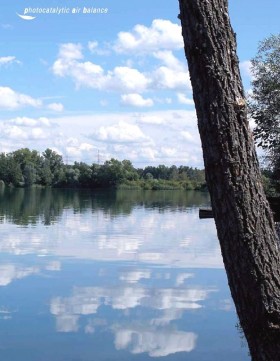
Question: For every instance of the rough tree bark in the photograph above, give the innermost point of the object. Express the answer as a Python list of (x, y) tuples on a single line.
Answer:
[(243, 218)]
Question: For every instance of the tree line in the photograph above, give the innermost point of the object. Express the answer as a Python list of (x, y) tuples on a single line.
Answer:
[(25, 168)]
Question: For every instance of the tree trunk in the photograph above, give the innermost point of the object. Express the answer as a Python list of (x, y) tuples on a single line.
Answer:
[(243, 218)]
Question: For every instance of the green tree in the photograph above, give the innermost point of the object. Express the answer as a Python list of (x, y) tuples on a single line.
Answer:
[(45, 175), (29, 162), (10, 171), (264, 103), (72, 176), (130, 173), (111, 173), (56, 165), (29, 174), (85, 173)]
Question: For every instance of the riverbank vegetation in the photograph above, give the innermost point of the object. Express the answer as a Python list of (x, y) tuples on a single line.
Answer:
[(26, 168)]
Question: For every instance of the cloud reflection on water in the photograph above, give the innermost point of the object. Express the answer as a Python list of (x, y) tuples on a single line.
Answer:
[(154, 336), (140, 236)]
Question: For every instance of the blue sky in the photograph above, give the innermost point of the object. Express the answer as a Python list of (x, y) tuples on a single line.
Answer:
[(114, 84)]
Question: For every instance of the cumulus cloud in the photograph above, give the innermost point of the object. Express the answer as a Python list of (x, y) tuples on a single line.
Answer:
[(15, 132), (172, 74), (122, 132), (71, 51), (30, 122), (148, 137), (38, 133), (119, 134), (24, 121), (169, 59), (136, 100), (57, 107), (78, 150), (4, 60), (91, 75), (162, 34), (10, 99), (125, 78), (168, 78), (19, 132), (183, 99)]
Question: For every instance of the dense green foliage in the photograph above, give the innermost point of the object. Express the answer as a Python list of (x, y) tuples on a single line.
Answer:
[(264, 108), (264, 104), (25, 168)]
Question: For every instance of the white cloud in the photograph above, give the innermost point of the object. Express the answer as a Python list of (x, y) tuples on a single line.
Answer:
[(146, 138), (86, 147), (86, 73), (57, 107), (246, 68), (151, 119), (168, 78), (163, 34), (148, 153), (168, 151), (9, 99), (136, 100), (182, 98), (24, 121), (117, 135), (26, 130), (121, 133), (125, 78), (39, 133), (77, 150), (188, 136), (15, 132), (4, 60), (91, 75), (171, 75), (30, 122), (169, 59), (71, 51)]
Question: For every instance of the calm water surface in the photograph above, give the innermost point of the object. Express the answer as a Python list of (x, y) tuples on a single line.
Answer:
[(126, 275)]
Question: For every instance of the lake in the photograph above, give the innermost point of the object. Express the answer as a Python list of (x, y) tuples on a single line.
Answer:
[(105, 276)]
